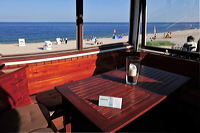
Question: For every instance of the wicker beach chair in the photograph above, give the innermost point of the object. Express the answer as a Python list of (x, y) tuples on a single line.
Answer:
[(47, 45), (58, 41), (22, 42)]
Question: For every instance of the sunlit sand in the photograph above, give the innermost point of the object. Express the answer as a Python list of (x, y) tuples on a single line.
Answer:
[(178, 37)]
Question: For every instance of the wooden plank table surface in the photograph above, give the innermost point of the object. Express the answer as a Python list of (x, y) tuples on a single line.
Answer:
[(153, 87)]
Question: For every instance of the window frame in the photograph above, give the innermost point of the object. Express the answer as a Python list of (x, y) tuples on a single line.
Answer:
[(174, 52)]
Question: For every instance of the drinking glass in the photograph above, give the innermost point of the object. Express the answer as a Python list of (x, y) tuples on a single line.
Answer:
[(132, 69)]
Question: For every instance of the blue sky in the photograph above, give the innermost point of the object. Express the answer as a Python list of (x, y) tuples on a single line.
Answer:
[(96, 10), (173, 10)]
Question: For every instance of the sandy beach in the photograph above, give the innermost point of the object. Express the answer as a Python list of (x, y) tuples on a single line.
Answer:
[(178, 37)]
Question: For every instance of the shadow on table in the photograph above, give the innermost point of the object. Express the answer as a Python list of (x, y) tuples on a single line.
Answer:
[(150, 86), (96, 102), (113, 78)]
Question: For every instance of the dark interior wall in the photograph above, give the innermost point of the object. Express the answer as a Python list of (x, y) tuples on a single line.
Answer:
[(184, 67)]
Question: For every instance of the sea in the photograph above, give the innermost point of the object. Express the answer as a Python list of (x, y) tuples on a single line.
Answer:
[(10, 32)]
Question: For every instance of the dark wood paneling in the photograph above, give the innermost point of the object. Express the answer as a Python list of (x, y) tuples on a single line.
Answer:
[(106, 62), (180, 66), (131, 52)]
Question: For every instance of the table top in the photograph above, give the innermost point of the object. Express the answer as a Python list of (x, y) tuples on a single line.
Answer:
[(159, 81), (136, 100)]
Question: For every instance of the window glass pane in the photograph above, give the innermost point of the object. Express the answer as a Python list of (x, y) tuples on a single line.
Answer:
[(170, 22), (106, 21), (37, 21)]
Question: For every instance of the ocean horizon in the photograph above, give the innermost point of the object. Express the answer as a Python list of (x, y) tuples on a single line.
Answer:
[(42, 31)]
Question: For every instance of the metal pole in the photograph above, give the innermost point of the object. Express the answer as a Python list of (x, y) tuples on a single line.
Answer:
[(135, 10), (144, 19)]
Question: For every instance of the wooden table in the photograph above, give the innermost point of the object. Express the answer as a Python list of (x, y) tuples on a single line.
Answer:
[(153, 87)]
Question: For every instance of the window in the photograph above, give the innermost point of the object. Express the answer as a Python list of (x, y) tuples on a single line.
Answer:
[(170, 22), (37, 22), (105, 22), (44, 24)]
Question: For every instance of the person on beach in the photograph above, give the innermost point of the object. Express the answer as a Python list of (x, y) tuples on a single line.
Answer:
[(198, 46), (190, 45), (65, 40), (154, 37), (169, 35), (115, 31), (97, 42), (164, 35), (93, 38)]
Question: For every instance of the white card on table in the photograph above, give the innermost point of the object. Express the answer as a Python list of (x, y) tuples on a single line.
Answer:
[(107, 101)]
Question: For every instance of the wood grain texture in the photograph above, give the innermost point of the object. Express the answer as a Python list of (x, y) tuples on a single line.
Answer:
[(48, 75), (153, 87), (38, 73), (39, 86), (13, 88)]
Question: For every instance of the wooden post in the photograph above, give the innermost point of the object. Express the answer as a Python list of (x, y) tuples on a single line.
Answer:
[(79, 24)]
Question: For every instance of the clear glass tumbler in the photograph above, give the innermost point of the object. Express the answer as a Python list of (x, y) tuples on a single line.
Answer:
[(132, 69)]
